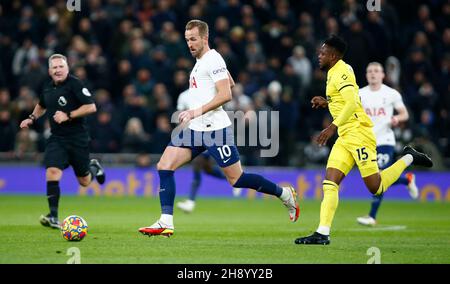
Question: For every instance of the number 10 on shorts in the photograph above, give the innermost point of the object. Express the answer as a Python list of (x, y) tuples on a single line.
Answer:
[(224, 151)]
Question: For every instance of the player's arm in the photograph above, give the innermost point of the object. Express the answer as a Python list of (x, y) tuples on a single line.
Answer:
[(84, 98), (402, 113), (350, 96), (222, 97), (319, 101), (401, 116), (38, 111), (230, 78), (83, 110)]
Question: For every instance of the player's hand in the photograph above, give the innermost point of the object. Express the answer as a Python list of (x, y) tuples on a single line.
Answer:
[(319, 101), (394, 121), (326, 134), (26, 123), (60, 117), (186, 116)]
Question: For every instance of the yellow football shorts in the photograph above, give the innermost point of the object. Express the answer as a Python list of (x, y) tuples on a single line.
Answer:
[(356, 146)]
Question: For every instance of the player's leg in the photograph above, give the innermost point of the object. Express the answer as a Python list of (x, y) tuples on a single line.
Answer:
[(211, 168), (53, 176), (385, 158), (226, 155), (171, 159), (340, 162), (55, 160), (198, 164), (85, 169), (378, 183), (240, 179), (410, 181)]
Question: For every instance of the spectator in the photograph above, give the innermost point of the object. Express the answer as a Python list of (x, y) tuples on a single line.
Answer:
[(161, 137), (393, 72), (315, 154), (34, 75), (135, 139), (105, 135), (23, 56), (7, 131), (302, 66), (110, 43)]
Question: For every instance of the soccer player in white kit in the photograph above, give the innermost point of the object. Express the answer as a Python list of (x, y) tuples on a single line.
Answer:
[(208, 128), (379, 102), (203, 163)]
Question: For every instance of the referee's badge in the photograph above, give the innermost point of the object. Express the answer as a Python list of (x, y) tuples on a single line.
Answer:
[(86, 92), (62, 101)]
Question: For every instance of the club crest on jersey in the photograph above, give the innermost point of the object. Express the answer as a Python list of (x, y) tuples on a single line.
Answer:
[(62, 101)]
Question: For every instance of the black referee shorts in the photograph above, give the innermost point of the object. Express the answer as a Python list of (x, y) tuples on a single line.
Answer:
[(60, 153)]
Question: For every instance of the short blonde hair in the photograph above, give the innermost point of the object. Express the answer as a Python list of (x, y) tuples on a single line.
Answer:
[(55, 56), (375, 64), (203, 29)]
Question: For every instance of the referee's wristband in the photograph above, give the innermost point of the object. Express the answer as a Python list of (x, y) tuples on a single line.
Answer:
[(68, 115)]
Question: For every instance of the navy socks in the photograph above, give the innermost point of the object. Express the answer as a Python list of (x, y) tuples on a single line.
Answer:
[(166, 191), (258, 183)]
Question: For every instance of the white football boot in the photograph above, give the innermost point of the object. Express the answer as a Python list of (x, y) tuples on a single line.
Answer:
[(366, 221), (289, 198), (186, 206), (412, 186)]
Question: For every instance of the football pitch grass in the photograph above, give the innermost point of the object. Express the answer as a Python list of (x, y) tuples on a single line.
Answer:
[(232, 231)]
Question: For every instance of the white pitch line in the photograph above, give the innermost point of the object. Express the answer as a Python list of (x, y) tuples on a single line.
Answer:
[(379, 228)]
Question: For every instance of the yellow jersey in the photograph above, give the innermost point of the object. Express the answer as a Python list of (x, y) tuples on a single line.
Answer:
[(344, 102)]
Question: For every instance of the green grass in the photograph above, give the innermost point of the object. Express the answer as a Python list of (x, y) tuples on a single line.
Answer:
[(223, 231)]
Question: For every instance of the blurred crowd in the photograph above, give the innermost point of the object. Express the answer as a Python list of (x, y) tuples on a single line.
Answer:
[(132, 55)]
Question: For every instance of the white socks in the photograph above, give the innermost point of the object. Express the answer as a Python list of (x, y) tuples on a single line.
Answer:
[(408, 159), (285, 194), (324, 230), (167, 219)]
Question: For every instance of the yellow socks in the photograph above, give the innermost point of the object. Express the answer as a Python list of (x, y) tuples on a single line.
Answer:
[(328, 207), (391, 174)]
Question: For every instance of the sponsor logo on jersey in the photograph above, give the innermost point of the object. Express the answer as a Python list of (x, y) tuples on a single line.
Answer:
[(376, 111), (223, 69), (193, 83)]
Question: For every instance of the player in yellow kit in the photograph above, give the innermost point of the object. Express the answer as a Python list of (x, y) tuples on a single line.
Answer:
[(356, 143)]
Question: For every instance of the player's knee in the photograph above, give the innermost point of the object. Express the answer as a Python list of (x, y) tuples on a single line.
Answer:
[(84, 181), (163, 166), (233, 179), (53, 174), (374, 190), (373, 182)]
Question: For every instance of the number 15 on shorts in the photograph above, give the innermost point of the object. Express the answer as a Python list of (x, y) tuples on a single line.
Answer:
[(362, 154)]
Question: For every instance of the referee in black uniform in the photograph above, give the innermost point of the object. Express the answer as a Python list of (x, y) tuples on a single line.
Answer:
[(67, 103)]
